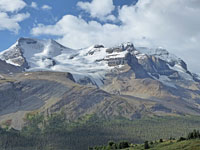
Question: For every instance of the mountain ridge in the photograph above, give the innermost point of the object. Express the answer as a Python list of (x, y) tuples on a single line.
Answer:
[(93, 62), (122, 81)]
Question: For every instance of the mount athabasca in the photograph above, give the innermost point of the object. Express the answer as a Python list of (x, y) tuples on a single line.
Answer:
[(121, 81)]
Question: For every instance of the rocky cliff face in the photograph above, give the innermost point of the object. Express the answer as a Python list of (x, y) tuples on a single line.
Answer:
[(8, 68)]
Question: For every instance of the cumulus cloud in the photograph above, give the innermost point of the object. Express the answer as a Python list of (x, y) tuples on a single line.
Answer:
[(98, 9), (9, 16), (172, 24), (46, 7), (11, 5), (34, 5), (11, 22), (78, 33)]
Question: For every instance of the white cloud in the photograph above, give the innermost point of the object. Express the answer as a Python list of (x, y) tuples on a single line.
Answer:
[(173, 24), (111, 18), (46, 7), (34, 5), (11, 22), (11, 5), (98, 8), (9, 18), (78, 33)]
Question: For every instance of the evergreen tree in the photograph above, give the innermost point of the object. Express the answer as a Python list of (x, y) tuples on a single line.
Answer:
[(123, 144), (191, 135), (146, 145)]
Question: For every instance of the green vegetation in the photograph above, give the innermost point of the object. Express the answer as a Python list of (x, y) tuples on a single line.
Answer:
[(112, 146), (171, 145), (146, 145), (192, 142), (55, 132)]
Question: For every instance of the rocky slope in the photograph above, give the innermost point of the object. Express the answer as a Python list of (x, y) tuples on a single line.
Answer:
[(8, 68), (123, 81), (51, 92)]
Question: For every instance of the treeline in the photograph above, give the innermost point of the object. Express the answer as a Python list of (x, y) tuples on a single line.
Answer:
[(195, 134), (39, 133), (55, 132), (11, 138), (112, 146)]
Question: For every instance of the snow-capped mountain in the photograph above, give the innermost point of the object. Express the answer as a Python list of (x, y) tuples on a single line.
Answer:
[(124, 80), (95, 62)]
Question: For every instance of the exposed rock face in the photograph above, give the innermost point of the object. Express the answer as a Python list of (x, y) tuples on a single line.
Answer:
[(15, 54), (85, 81), (156, 66), (136, 67), (128, 46), (147, 75), (6, 68), (98, 46), (196, 77)]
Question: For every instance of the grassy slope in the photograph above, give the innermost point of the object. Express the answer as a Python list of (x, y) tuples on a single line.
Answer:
[(171, 145)]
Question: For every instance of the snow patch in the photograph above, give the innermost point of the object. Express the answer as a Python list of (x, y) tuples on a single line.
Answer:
[(182, 72), (159, 53), (12, 63)]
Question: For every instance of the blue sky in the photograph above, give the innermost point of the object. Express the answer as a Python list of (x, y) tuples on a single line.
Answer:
[(171, 24), (38, 15), (59, 9)]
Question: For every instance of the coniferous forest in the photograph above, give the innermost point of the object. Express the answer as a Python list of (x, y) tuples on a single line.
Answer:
[(55, 132)]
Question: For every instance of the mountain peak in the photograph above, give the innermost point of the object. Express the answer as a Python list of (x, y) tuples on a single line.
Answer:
[(128, 46), (98, 46), (23, 40), (96, 61)]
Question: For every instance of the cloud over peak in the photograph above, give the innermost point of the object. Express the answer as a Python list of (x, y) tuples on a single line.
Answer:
[(172, 24), (101, 9)]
